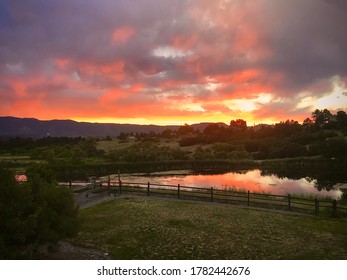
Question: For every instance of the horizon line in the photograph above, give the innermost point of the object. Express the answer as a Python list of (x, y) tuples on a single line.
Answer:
[(109, 121)]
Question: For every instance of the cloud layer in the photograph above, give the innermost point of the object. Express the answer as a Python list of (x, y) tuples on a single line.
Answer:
[(172, 61)]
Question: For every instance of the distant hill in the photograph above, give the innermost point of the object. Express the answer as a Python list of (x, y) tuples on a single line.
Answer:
[(30, 127)]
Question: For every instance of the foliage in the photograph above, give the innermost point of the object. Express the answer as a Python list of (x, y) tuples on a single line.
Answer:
[(288, 128), (33, 214), (238, 124), (287, 150), (185, 129), (191, 141), (229, 151), (336, 148), (146, 151), (50, 148), (214, 129), (319, 135), (203, 154)]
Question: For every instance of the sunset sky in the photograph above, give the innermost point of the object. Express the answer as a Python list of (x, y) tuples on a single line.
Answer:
[(172, 61)]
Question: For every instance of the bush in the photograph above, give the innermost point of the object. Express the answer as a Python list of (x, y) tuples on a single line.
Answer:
[(191, 141), (146, 152), (288, 150), (336, 148)]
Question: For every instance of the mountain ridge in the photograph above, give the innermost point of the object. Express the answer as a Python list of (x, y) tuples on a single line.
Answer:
[(31, 127)]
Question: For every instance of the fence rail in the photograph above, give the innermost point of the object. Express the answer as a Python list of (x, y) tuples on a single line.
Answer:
[(245, 198)]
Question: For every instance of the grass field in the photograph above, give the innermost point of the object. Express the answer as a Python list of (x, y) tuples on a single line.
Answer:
[(151, 228), (115, 144)]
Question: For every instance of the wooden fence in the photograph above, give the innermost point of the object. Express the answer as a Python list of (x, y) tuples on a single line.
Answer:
[(243, 198)]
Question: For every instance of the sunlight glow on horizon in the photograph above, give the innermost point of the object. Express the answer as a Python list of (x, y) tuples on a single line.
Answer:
[(178, 121)]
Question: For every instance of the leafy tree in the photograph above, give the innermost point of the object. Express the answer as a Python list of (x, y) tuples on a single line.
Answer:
[(341, 119), (212, 129), (185, 129), (336, 148), (304, 138), (287, 128), (238, 124), (33, 214), (322, 118), (288, 150), (308, 122), (252, 145), (167, 133), (14, 230), (317, 148), (43, 172)]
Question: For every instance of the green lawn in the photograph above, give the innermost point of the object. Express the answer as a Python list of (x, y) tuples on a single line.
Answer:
[(154, 228)]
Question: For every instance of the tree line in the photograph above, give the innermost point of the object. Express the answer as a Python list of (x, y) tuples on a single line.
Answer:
[(322, 134)]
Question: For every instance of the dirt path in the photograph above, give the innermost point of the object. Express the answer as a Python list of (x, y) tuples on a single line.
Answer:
[(64, 250)]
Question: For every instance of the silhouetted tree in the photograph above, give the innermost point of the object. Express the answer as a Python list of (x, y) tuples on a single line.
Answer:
[(185, 129), (287, 128), (341, 119), (308, 122), (33, 214), (167, 133), (322, 118), (238, 124), (213, 129), (336, 148)]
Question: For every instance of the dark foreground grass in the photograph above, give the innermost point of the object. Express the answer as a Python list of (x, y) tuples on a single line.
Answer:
[(150, 228)]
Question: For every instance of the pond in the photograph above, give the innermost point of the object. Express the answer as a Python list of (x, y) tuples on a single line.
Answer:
[(250, 180)]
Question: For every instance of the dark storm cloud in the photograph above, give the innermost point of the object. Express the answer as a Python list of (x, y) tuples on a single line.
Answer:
[(77, 29), (308, 39)]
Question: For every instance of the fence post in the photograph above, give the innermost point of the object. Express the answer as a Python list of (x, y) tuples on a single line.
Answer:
[(70, 184), (334, 209), (248, 198), (316, 202), (289, 202), (178, 190), (148, 188), (211, 194), (109, 181), (120, 187)]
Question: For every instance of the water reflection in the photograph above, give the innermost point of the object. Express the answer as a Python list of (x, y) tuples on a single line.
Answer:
[(252, 180), (21, 178)]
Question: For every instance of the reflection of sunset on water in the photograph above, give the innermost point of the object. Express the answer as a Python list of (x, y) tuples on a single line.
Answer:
[(251, 181), (21, 178)]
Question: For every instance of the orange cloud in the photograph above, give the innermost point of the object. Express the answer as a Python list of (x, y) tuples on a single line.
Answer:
[(61, 62), (122, 35), (184, 43)]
